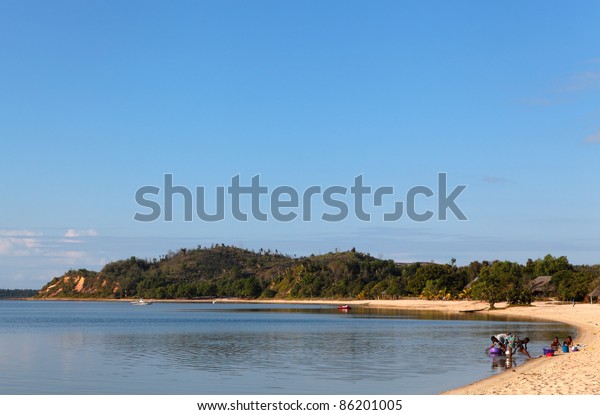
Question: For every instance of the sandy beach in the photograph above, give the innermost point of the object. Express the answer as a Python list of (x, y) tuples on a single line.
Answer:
[(573, 373), (563, 374)]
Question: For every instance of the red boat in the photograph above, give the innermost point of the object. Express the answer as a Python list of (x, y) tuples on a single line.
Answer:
[(345, 307)]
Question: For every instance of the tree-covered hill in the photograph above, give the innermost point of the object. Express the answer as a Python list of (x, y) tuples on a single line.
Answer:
[(18, 293), (225, 271)]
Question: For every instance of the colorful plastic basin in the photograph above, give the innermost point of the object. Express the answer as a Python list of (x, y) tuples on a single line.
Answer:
[(495, 351)]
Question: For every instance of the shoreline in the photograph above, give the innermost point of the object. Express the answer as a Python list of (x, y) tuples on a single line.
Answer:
[(572, 373)]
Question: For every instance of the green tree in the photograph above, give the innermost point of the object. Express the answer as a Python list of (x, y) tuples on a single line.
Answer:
[(571, 285), (551, 265), (498, 282)]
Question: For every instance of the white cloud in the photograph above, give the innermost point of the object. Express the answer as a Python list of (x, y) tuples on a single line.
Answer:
[(73, 233), (72, 254), (5, 246), (18, 233), (38, 256), (70, 241), (18, 242), (77, 259)]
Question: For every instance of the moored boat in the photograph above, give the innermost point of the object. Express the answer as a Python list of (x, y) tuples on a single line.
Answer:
[(345, 307), (141, 301)]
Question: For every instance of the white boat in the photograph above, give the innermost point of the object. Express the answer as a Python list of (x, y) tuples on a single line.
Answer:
[(141, 301)]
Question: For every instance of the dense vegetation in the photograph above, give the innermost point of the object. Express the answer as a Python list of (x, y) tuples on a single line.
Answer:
[(17, 293), (224, 271)]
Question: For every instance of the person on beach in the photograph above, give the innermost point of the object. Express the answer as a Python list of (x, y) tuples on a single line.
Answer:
[(514, 343), (523, 346), (496, 343), (568, 342), (511, 343), (502, 339), (555, 344)]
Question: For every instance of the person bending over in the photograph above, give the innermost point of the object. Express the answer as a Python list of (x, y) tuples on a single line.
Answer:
[(522, 346), (496, 343), (514, 343)]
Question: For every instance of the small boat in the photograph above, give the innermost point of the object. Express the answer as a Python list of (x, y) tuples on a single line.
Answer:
[(141, 301), (472, 311), (344, 307)]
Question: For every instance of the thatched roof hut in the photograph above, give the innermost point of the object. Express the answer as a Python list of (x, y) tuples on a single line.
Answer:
[(542, 286), (594, 293)]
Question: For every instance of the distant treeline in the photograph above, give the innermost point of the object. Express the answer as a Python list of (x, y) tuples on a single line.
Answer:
[(17, 293), (225, 271)]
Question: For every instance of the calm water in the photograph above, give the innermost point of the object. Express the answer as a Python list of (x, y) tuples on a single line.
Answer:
[(115, 348)]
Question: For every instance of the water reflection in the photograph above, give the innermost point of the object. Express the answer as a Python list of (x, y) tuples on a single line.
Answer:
[(501, 363), (242, 349), (305, 354), (356, 311)]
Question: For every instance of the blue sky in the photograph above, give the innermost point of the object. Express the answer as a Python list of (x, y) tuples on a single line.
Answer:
[(98, 99)]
